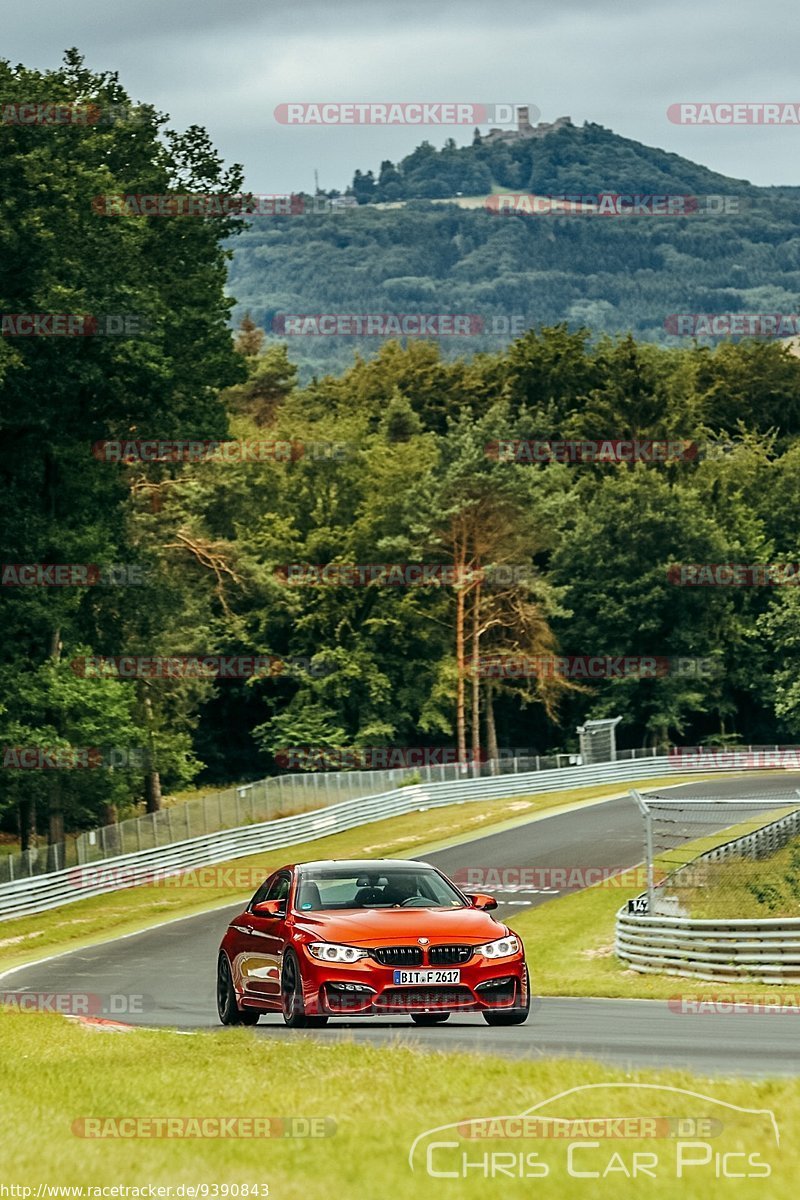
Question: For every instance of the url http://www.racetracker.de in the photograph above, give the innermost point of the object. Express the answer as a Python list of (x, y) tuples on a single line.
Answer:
[(187, 1191)]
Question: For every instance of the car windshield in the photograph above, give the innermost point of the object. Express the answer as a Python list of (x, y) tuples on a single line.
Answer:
[(337, 888)]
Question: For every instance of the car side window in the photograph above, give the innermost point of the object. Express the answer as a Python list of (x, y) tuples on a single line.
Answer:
[(276, 887), (263, 891), (280, 888)]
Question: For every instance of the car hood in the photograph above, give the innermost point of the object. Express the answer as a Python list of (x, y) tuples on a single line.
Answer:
[(399, 927)]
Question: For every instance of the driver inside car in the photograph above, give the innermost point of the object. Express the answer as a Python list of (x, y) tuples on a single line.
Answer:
[(399, 890)]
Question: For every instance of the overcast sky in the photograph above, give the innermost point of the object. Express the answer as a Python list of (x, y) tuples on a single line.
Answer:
[(620, 63)]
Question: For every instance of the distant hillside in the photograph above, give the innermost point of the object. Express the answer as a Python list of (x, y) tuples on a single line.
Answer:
[(428, 255), (544, 159)]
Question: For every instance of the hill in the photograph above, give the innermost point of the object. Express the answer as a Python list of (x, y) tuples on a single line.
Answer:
[(430, 252)]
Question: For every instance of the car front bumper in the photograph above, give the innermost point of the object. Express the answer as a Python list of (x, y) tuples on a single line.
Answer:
[(369, 989)]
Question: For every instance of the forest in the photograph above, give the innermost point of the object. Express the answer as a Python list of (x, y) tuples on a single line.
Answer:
[(186, 495)]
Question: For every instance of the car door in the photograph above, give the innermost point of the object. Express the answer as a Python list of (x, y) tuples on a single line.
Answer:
[(263, 940)]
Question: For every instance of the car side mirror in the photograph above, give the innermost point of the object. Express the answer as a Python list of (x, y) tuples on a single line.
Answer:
[(270, 908), (479, 900)]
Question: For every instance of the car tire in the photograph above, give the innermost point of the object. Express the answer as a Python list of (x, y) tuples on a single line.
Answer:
[(512, 1016), (227, 1004), (429, 1018), (292, 1005)]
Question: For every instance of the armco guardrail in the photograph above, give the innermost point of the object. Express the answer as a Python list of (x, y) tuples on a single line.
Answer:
[(62, 887), (765, 950)]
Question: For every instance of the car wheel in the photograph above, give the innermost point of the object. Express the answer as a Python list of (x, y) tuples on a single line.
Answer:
[(512, 1016), (429, 1018), (292, 1006), (227, 1006)]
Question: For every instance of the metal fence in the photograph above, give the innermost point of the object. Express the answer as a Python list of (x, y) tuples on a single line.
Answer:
[(40, 892), (254, 803)]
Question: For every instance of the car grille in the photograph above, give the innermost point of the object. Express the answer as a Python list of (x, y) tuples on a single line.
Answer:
[(439, 956), (425, 997), (398, 956)]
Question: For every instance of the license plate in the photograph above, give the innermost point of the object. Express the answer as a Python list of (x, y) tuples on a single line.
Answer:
[(426, 977)]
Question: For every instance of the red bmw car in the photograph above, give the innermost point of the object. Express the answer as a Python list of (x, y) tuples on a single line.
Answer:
[(369, 938)]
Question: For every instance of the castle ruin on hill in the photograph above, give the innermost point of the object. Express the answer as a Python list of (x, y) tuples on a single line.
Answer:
[(524, 128)]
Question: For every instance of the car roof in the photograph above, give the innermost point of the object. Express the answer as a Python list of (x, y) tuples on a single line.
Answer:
[(365, 864)]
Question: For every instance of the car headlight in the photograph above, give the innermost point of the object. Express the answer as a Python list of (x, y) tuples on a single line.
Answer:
[(502, 948), (331, 952)]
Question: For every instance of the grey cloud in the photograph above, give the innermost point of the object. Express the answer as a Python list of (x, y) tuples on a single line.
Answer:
[(227, 66)]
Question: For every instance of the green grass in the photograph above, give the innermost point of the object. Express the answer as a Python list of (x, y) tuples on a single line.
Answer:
[(570, 942), (747, 888), (380, 1098), (101, 918)]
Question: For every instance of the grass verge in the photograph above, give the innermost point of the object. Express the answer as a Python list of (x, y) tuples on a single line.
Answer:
[(381, 1099), (750, 888)]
